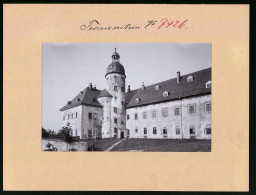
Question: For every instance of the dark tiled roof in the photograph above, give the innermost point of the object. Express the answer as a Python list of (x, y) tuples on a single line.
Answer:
[(176, 90), (86, 97), (115, 67), (104, 93), (149, 95)]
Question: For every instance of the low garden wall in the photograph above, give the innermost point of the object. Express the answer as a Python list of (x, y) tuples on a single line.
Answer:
[(60, 145)]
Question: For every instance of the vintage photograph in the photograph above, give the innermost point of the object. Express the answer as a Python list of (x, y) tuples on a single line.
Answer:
[(126, 97)]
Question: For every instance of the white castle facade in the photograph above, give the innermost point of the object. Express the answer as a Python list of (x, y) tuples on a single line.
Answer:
[(178, 108)]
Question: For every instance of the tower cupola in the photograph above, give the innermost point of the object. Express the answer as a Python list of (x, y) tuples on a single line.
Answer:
[(115, 66), (115, 56)]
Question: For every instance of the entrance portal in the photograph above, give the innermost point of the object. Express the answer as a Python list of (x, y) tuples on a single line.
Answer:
[(122, 135)]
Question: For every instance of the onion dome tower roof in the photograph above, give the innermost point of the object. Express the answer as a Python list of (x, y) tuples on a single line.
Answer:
[(115, 66)]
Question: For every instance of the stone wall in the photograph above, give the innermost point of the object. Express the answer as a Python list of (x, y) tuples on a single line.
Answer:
[(64, 146), (199, 120)]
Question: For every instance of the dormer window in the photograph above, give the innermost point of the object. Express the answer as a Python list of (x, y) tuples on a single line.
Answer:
[(81, 92), (78, 99), (69, 102), (166, 93), (208, 84), (190, 79), (137, 100), (157, 87)]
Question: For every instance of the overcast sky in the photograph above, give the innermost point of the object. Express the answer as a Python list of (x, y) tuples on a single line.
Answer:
[(68, 68)]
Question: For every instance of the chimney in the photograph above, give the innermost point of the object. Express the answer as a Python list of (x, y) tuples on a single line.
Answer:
[(95, 87), (143, 86), (178, 77), (90, 85), (129, 88)]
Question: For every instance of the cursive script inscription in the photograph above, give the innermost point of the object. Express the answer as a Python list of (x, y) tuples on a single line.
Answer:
[(162, 24), (95, 25)]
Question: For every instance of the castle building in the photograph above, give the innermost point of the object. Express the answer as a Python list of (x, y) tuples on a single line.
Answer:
[(178, 108)]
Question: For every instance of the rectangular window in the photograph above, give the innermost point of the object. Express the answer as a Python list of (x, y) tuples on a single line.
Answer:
[(128, 116), (90, 133), (63, 117), (164, 130), (128, 132), (177, 111), (115, 120), (136, 116), (177, 129), (115, 130), (89, 115), (192, 130), (191, 109), (136, 130), (76, 114), (208, 130), (95, 115), (145, 131), (115, 88), (154, 114), (208, 107), (72, 116), (164, 112), (122, 89), (68, 116), (115, 109), (154, 130), (144, 115)]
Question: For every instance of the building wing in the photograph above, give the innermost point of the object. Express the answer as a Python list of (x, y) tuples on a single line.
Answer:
[(189, 85)]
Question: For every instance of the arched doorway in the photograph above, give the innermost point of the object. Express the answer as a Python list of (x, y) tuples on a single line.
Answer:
[(122, 135)]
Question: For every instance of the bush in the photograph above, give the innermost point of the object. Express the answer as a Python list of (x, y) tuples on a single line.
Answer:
[(65, 133)]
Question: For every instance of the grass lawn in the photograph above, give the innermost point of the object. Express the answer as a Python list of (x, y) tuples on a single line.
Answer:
[(102, 144), (164, 145)]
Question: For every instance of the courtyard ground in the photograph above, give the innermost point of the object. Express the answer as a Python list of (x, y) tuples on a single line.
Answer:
[(164, 145), (102, 144)]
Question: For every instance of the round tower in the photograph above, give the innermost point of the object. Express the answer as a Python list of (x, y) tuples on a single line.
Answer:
[(115, 85), (104, 99)]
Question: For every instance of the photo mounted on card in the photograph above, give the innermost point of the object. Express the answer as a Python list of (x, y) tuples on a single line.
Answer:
[(143, 98), (169, 109)]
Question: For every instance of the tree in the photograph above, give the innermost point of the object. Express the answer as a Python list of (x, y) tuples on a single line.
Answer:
[(45, 133), (65, 133)]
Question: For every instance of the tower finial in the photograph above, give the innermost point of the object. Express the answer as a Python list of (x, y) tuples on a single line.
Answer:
[(115, 49)]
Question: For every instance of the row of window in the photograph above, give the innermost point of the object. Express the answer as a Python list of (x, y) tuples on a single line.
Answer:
[(92, 133), (192, 130), (92, 115), (177, 111), (70, 116), (190, 79)]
